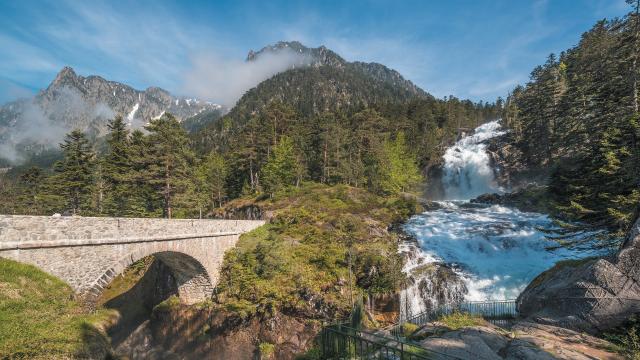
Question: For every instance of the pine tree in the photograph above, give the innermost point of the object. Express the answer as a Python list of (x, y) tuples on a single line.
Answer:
[(169, 161), (210, 182), (75, 171), (31, 180), (282, 168), (143, 199), (117, 169)]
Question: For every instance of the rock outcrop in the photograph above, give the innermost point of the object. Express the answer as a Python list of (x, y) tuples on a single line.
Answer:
[(591, 295), (202, 333), (524, 341), (532, 198), (511, 168)]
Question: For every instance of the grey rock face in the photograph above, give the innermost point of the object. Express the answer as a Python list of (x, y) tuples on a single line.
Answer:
[(592, 295), (524, 341), (87, 103)]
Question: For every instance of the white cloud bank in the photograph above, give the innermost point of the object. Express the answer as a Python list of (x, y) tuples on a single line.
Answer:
[(37, 128), (224, 80)]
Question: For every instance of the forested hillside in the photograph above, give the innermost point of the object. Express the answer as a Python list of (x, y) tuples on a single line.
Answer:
[(378, 132), (578, 118)]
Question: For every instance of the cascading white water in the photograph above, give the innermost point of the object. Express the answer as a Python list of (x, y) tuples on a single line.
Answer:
[(467, 170), (494, 250)]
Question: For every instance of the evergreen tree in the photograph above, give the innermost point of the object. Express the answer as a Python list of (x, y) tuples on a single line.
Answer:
[(282, 168), (169, 159), (32, 181), (143, 199), (75, 171), (117, 169), (210, 182), (398, 169), (577, 116)]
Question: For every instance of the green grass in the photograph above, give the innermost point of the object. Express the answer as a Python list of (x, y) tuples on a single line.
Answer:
[(168, 304), (408, 329), (125, 281), (459, 320), (40, 320)]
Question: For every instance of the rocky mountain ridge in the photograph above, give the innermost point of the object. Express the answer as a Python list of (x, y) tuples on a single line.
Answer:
[(322, 56), (72, 101)]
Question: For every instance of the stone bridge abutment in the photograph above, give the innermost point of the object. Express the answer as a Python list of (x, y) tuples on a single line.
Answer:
[(88, 252)]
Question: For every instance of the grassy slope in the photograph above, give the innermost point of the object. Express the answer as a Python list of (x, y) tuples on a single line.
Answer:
[(299, 262), (39, 319)]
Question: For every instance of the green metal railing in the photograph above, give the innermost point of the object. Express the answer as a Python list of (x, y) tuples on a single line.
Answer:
[(500, 312), (340, 342)]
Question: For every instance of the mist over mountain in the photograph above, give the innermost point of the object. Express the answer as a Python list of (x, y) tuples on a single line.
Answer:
[(226, 80), (71, 101), (321, 81)]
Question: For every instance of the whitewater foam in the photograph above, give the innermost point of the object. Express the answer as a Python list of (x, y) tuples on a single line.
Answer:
[(495, 250), (467, 169)]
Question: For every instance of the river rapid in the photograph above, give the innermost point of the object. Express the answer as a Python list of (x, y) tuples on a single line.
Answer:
[(489, 252)]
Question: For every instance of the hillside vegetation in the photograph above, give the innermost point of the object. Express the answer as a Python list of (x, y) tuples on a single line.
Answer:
[(323, 248), (578, 117), (40, 320)]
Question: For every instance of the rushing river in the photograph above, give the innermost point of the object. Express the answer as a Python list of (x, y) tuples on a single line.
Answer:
[(494, 250)]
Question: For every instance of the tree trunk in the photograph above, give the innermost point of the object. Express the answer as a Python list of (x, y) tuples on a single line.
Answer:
[(635, 57), (324, 163)]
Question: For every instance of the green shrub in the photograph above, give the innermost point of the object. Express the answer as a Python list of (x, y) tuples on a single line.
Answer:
[(627, 338), (266, 350)]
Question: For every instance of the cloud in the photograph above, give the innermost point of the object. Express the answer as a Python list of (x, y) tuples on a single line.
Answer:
[(33, 130), (40, 126), (225, 80)]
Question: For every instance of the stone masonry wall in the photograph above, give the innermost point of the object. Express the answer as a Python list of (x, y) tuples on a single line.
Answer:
[(88, 252)]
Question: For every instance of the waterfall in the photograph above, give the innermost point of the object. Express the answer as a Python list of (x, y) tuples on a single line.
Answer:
[(467, 171), (465, 251)]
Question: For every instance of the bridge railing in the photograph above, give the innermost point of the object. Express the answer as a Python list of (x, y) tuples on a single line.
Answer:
[(499, 312)]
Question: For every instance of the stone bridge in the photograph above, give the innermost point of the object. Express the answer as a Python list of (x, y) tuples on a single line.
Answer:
[(88, 252)]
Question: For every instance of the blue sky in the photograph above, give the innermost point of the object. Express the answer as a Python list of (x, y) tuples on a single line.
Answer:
[(470, 49)]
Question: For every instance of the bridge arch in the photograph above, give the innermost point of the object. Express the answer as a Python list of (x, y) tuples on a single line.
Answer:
[(192, 279)]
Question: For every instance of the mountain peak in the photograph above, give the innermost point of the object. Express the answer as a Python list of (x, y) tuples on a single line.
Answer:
[(311, 56), (65, 75), (277, 47)]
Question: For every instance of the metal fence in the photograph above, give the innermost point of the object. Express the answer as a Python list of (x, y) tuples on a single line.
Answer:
[(340, 342), (500, 313)]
